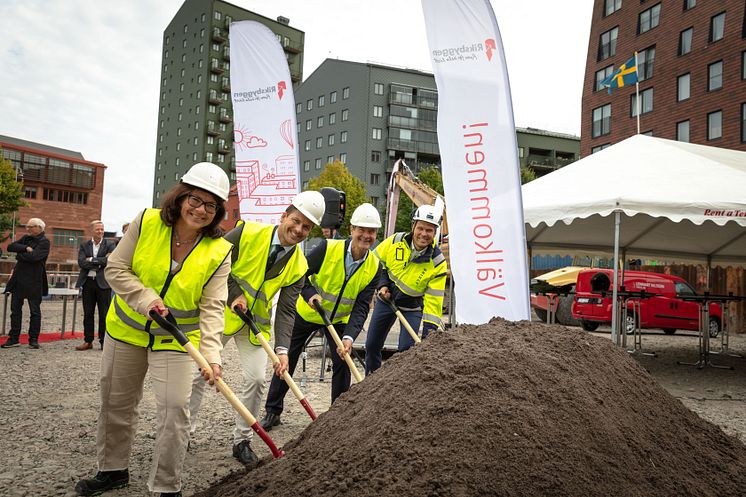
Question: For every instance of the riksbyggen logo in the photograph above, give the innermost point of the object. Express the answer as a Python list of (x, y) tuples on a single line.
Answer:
[(265, 93), (465, 52)]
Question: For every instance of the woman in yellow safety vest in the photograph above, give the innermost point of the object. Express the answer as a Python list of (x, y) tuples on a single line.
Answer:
[(172, 260)]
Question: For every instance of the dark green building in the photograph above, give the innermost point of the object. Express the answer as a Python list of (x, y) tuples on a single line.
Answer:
[(195, 114)]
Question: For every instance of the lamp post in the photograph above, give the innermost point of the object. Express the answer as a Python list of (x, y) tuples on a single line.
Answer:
[(19, 173)]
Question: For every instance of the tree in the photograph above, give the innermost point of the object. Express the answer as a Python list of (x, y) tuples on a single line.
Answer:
[(336, 175), (11, 195), (527, 174)]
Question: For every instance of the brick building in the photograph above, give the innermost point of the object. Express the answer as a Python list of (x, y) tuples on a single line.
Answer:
[(691, 66), (61, 188)]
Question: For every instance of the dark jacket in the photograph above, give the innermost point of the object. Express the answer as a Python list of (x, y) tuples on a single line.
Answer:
[(29, 280), (97, 263)]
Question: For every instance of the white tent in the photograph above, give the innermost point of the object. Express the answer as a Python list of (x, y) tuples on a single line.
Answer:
[(670, 200)]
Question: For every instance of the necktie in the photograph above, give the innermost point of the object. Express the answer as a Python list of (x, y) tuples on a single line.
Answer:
[(273, 252)]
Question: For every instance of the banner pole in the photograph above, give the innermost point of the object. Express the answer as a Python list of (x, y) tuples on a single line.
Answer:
[(637, 90)]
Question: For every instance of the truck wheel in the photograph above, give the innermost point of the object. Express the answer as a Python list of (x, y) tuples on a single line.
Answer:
[(589, 325), (541, 314), (630, 323), (714, 327), (564, 311), (669, 331)]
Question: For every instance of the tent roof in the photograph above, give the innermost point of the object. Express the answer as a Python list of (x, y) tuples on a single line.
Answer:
[(679, 199)]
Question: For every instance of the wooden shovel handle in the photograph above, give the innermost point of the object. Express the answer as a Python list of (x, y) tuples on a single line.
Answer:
[(338, 342)]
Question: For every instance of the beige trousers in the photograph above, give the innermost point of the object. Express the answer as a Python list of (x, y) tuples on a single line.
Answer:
[(123, 369), (253, 361)]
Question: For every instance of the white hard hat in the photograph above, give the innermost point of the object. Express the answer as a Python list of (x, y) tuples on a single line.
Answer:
[(427, 213), (209, 177), (366, 216), (311, 204)]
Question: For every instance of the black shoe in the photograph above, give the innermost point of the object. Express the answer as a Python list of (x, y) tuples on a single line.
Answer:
[(270, 419), (103, 481), (242, 451), (10, 343), (171, 494), (33, 345)]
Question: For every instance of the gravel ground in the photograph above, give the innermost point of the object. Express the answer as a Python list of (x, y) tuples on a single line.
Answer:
[(49, 404)]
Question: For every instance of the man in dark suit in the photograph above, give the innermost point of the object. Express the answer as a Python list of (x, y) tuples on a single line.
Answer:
[(29, 282), (92, 257)]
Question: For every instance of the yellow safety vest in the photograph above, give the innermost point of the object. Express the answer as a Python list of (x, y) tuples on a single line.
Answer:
[(417, 279), (337, 293), (181, 292), (248, 272)]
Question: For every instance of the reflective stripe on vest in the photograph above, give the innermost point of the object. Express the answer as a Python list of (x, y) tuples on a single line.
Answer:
[(151, 263), (329, 282), (249, 272)]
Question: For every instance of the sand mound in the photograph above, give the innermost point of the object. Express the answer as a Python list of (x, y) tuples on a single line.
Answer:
[(513, 409)]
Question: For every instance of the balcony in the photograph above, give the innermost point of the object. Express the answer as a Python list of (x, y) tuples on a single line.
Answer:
[(224, 117), (225, 85), (215, 67), (413, 146), (217, 35), (291, 46), (409, 99), (227, 53), (212, 130), (214, 98)]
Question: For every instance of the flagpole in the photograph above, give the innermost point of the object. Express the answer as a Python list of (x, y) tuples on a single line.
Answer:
[(637, 90)]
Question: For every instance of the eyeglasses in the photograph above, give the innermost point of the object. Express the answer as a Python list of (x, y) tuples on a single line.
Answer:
[(33, 226), (195, 201)]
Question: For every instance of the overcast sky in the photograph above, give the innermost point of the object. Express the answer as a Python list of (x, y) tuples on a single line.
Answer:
[(83, 74)]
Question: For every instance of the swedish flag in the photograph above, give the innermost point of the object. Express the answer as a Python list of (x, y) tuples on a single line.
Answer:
[(625, 75)]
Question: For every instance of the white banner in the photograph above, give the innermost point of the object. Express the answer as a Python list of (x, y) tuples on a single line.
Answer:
[(479, 153), (264, 129)]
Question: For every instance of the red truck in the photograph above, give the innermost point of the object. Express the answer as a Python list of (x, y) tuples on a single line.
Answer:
[(665, 309)]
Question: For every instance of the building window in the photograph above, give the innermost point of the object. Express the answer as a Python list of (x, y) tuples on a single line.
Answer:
[(375, 156), (333, 97), (210, 140), (645, 63), (321, 101), (218, 15), (332, 118), (646, 102), (345, 114), (378, 88), (649, 19), (305, 185), (318, 163), (307, 145), (715, 125), (743, 65), (319, 142), (377, 111), (682, 131), (345, 93), (601, 121), (607, 44), (309, 124), (309, 104), (343, 137), (343, 158), (329, 159), (611, 6), (320, 122), (67, 238), (715, 76), (717, 27), (601, 75), (600, 147), (685, 41), (743, 124), (682, 87), (306, 165), (689, 4), (376, 133), (375, 179), (298, 108), (330, 140), (29, 192)]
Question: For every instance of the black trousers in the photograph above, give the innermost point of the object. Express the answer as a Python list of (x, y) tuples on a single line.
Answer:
[(94, 296), (16, 316), (340, 372)]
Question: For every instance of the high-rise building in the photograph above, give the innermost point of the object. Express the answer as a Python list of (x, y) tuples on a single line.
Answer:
[(60, 187), (369, 115), (195, 111), (691, 59)]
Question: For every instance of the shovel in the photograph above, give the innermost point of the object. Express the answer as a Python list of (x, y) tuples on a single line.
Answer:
[(271, 353), (401, 317), (335, 337), (219, 383)]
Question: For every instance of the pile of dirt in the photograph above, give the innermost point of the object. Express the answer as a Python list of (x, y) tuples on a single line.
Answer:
[(508, 409)]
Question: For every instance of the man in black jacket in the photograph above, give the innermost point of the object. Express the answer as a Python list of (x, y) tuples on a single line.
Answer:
[(29, 282), (92, 257)]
